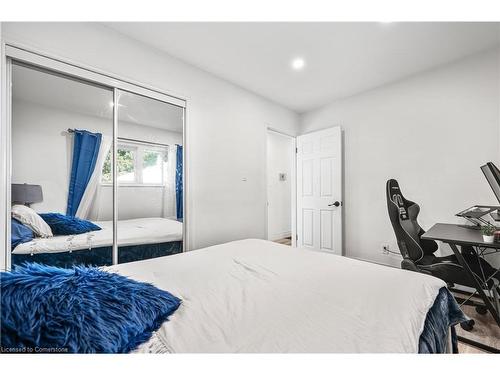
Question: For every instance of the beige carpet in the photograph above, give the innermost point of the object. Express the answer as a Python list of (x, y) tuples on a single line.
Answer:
[(285, 241)]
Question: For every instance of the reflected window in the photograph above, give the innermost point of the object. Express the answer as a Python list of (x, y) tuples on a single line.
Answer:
[(152, 167), (137, 164), (126, 161)]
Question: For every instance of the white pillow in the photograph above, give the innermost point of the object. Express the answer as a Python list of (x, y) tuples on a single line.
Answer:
[(31, 219)]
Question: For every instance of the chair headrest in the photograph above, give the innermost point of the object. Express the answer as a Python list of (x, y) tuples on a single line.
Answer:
[(395, 196), (393, 187)]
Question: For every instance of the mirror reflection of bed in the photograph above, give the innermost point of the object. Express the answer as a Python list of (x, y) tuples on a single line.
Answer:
[(63, 174)]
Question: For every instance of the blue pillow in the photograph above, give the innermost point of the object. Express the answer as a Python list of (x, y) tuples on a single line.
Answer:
[(63, 225), (79, 310), (19, 233)]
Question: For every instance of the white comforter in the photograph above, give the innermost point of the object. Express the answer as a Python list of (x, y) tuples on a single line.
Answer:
[(259, 296), (130, 232)]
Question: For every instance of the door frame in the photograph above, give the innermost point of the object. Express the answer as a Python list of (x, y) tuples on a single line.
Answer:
[(293, 181), (12, 50)]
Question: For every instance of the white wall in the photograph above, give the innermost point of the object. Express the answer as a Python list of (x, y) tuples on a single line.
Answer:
[(226, 129), (280, 156), (42, 128), (431, 132)]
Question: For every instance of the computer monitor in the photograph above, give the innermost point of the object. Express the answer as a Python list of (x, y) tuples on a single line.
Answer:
[(492, 174)]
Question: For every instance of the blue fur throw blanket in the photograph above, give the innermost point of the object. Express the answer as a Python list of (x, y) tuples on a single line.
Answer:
[(80, 310)]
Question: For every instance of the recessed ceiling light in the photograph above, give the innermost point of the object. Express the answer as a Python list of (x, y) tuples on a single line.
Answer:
[(298, 63)]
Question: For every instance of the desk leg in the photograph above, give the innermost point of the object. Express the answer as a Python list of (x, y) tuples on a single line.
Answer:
[(479, 287)]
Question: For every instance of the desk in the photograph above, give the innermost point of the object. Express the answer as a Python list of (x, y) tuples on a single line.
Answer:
[(456, 235)]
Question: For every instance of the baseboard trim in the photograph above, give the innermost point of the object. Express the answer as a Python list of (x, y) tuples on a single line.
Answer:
[(373, 261)]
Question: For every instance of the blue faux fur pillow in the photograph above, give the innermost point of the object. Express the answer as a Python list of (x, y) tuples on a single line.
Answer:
[(64, 225), (79, 310)]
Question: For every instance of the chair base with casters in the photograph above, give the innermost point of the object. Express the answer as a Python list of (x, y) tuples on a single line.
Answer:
[(418, 254)]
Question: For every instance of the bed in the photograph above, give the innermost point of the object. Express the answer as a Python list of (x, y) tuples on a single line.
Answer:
[(138, 239), (259, 296)]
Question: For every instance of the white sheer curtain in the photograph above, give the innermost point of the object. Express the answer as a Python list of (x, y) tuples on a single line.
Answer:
[(169, 210), (90, 193)]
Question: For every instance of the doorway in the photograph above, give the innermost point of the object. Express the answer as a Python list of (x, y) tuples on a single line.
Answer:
[(280, 187)]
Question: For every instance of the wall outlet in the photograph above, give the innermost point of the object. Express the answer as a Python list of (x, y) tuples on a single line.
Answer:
[(385, 248)]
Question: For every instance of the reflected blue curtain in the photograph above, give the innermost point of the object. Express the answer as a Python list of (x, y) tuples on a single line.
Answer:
[(178, 184), (85, 151)]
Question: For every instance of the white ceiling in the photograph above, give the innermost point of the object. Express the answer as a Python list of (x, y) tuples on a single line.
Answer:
[(55, 91), (342, 59)]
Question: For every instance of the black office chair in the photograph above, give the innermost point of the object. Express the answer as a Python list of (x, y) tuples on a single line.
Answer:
[(418, 254)]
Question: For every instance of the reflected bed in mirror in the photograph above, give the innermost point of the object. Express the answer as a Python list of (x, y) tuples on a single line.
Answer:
[(140, 239)]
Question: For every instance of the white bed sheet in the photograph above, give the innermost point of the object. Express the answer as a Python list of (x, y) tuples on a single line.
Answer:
[(130, 232), (259, 296)]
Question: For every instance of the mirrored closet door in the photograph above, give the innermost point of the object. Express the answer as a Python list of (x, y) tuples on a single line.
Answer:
[(61, 133), (97, 167), (149, 177)]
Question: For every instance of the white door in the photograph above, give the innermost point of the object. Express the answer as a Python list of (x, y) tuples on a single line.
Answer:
[(319, 190)]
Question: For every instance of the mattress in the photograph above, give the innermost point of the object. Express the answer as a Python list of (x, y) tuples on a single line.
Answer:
[(259, 296), (129, 232)]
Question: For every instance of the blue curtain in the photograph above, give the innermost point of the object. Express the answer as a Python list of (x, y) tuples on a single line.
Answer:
[(85, 151), (178, 184)]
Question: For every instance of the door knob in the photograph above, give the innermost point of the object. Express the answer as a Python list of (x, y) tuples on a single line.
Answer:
[(336, 204)]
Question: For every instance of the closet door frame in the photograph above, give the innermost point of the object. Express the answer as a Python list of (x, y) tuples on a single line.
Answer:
[(15, 52)]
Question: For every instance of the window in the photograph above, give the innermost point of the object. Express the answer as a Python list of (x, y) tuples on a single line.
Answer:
[(152, 167), (138, 164)]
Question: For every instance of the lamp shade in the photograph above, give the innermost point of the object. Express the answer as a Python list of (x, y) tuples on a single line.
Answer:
[(26, 194)]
